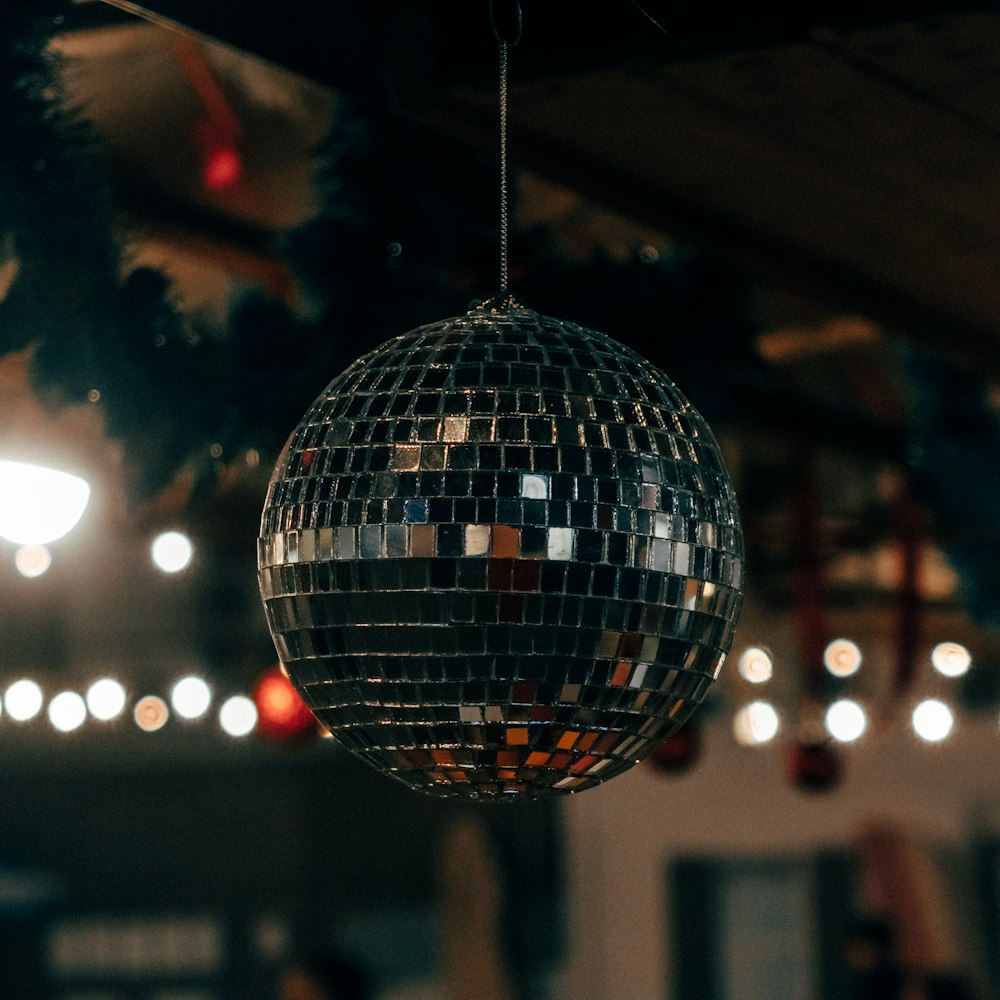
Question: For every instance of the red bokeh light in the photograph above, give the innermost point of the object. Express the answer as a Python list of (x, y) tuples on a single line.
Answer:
[(222, 167), (282, 715)]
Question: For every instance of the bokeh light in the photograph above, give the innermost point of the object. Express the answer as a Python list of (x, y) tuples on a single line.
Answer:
[(191, 697), (842, 658), (222, 167), (32, 560), (67, 711), (756, 723), (151, 713), (846, 721), (282, 715), (755, 665), (171, 551), (933, 720), (39, 505), (951, 659), (23, 700), (238, 715), (106, 699)]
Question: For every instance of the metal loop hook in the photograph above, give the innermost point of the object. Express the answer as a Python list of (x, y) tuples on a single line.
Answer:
[(518, 21)]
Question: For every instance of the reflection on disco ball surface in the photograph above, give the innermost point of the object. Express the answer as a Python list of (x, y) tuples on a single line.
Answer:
[(501, 556)]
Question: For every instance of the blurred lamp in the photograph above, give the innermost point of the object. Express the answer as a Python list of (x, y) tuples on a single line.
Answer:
[(933, 720), (756, 723), (282, 715), (67, 711), (238, 715), (951, 659), (191, 697), (32, 560), (150, 713), (842, 658), (23, 700), (39, 505), (846, 720), (755, 665), (171, 552), (106, 699)]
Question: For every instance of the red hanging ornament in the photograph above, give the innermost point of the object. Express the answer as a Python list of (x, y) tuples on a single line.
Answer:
[(813, 767), (679, 752), (282, 715), (218, 133)]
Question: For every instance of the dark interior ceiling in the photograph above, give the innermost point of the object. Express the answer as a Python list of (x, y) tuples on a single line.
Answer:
[(842, 157), (847, 148)]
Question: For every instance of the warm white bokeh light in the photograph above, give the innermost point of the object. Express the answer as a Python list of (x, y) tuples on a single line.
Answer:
[(933, 720), (32, 560), (238, 715), (38, 505), (191, 697), (846, 721), (151, 713), (842, 658), (67, 711), (756, 723), (171, 552), (23, 700), (755, 665), (951, 659), (106, 699)]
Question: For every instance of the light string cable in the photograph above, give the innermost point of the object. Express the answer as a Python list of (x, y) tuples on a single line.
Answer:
[(504, 44)]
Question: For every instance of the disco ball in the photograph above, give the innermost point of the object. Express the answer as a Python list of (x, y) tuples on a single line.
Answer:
[(500, 556)]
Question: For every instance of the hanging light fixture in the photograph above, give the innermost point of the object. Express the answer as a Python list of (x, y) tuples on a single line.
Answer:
[(39, 505), (500, 555)]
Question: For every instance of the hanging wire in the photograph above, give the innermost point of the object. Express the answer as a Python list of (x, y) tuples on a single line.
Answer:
[(504, 44), (649, 17)]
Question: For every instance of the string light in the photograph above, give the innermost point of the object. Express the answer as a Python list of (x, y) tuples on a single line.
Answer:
[(842, 658), (933, 720), (106, 699), (191, 697), (67, 711), (32, 560), (951, 659), (171, 551), (846, 721), (755, 665), (23, 700), (756, 723), (238, 716), (151, 713)]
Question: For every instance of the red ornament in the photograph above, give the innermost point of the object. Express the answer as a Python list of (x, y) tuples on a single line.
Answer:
[(813, 767), (679, 752), (282, 715)]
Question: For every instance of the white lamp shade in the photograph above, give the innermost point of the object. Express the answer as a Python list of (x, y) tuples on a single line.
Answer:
[(39, 505)]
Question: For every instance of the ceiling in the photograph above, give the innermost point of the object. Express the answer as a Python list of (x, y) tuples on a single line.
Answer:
[(850, 149), (840, 161)]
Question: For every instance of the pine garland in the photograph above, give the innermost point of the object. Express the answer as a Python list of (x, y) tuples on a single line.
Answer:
[(406, 233)]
